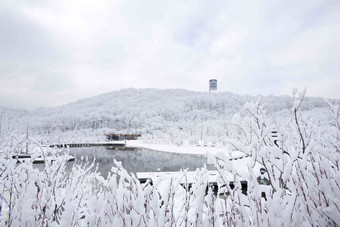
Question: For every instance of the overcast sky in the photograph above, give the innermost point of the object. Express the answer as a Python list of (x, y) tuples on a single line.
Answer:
[(56, 52)]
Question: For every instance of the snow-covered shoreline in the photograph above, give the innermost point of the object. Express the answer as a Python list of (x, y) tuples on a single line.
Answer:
[(197, 150), (239, 163)]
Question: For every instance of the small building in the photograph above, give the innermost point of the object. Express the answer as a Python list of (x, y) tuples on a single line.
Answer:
[(120, 137), (212, 85)]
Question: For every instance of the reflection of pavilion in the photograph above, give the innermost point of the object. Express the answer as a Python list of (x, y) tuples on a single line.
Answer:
[(117, 137)]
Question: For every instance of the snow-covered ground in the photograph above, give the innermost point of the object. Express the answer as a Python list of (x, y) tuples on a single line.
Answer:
[(198, 150)]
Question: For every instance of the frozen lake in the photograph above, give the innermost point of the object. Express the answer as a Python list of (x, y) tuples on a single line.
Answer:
[(139, 159)]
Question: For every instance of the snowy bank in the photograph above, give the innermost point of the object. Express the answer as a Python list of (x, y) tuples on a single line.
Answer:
[(238, 160), (198, 150)]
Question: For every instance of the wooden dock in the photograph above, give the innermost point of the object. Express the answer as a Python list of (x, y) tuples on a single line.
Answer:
[(189, 179), (190, 176), (22, 158), (115, 144)]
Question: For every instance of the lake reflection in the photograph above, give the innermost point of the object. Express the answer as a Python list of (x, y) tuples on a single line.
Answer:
[(139, 159)]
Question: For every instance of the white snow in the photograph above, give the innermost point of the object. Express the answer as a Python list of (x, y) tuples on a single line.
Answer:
[(198, 150)]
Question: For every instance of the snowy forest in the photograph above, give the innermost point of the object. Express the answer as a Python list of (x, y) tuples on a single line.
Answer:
[(302, 165), (160, 116)]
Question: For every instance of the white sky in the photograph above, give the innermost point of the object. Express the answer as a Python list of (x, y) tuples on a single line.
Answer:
[(56, 52)]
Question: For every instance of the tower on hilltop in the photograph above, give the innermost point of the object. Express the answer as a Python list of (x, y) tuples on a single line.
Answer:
[(212, 85)]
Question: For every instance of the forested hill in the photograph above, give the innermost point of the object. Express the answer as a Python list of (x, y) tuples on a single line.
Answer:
[(137, 100), (169, 114)]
